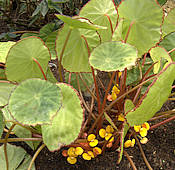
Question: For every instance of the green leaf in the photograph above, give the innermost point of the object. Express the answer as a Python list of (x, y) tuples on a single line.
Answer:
[(75, 57), (78, 23), (26, 35), (2, 124), (145, 31), (4, 49), (87, 77), (157, 54), (98, 11), (112, 56), (129, 105), (117, 35), (50, 43), (50, 76), (5, 90), (162, 2), (169, 23), (2, 74), (168, 43), (155, 96), (66, 125), (35, 101), (46, 30), (16, 155), (20, 64)]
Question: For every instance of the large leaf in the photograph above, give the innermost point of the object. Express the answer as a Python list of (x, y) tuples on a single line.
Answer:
[(66, 125), (20, 64), (4, 48), (112, 56), (5, 90), (157, 55), (169, 23), (78, 23), (155, 96), (35, 101), (98, 11), (50, 42), (17, 156), (145, 31), (75, 58), (2, 124), (168, 43)]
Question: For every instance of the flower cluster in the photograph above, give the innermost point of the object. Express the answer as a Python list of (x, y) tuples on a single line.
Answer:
[(115, 92), (142, 130)]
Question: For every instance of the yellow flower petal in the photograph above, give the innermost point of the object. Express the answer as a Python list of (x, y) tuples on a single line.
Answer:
[(143, 132), (97, 150), (86, 156), (71, 160), (93, 143), (114, 96), (78, 150), (111, 140), (121, 117), (133, 142), (71, 152), (91, 137), (127, 144), (137, 128), (144, 140), (146, 126), (119, 73), (109, 129), (91, 154), (102, 133), (108, 136), (115, 89)]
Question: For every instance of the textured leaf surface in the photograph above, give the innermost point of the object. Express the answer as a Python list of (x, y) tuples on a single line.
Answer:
[(157, 55), (4, 48), (156, 94), (169, 23), (97, 11), (145, 32), (75, 57), (112, 56), (67, 123), (20, 65), (15, 157), (168, 43), (5, 90), (35, 101), (2, 124)]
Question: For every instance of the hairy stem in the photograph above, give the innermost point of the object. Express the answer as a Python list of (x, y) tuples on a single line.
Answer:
[(110, 22), (35, 156), (130, 160), (19, 140), (129, 29), (143, 154), (5, 146)]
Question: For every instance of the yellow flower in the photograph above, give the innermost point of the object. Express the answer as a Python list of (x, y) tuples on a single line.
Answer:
[(97, 151), (129, 143), (119, 73), (115, 91), (137, 128), (143, 132), (73, 153), (71, 160), (107, 133), (121, 117), (146, 126), (144, 140), (88, 156), (92, 140)]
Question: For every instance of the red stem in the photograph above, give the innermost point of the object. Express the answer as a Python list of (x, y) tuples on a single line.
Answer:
[(129, 29), (171, 51), (110, 22), (144, 59), (162, 123), (35, 60)]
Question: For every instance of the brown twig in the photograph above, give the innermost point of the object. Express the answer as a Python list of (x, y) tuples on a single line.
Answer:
[(130, 160)]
